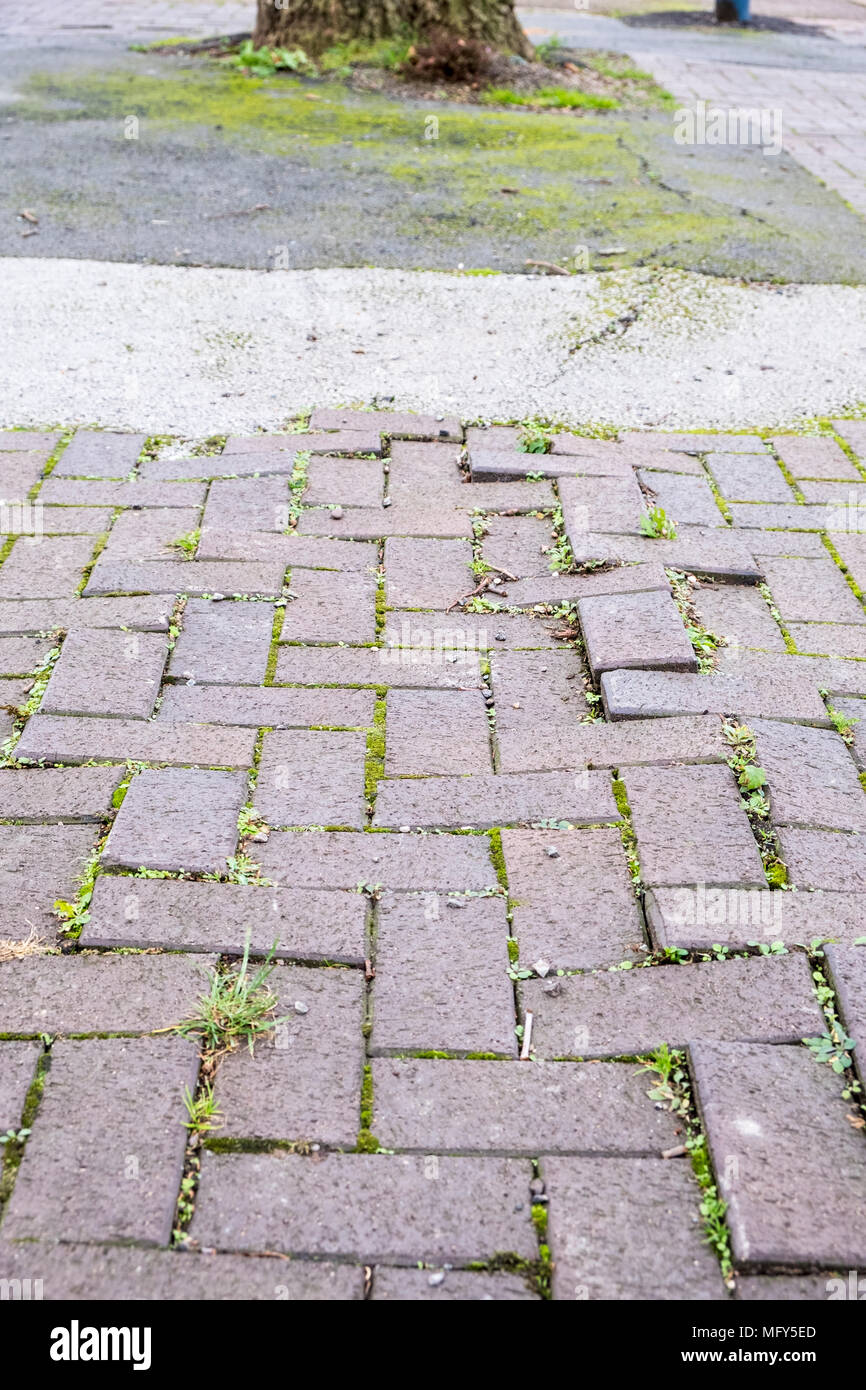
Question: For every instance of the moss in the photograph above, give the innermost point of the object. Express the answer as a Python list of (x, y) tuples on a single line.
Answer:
[(497, 854), (374, 767)]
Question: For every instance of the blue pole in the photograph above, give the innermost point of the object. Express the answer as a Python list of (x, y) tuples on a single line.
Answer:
[(732, 11)]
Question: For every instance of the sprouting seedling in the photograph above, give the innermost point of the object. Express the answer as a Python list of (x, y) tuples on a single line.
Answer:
[(657, 525)]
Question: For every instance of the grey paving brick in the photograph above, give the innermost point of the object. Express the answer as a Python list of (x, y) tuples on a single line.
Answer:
[(773, 1110), (38, 865), (99, 454), (250, 445), (178, 818), (680, 738), (303, 1082), (142, 614), (481, 801), (276, 462), (792, 516), (371, 523), (505, 437), (444, 635), (244, 505), (847, 965), (519, 545), (615, 1014), (852, 552), (400, 1208), (13, 694), (72, 521), (59, 491), (426, 667), (223, 642), (425, 573), (17, 1070), (494, 1107), (70, 740), (43, 795), (774, 1288), (171, 914), (837, 677), (197, 577), (448, 1286), (855, 710), (150, 533), (126, 1189), (688, 501), (50, 568), (697, 917), (99, 994), (648, 694), (812, 777), (852, 431), (343, 859), (600, 505), (635, 630), (399, 424), (568, 588), (814, 458), (716, 552), (106, 671), (501, 465), (308, 778), (19, 472), (347, 482), (331, 608), (441, 976), (695, 443), (691, 827), (626, 1229), (573, 907), (812, 591), (822, 859), (433, 731), (353, 441), (740, 613), (830, 639), (256, 706), (741, 478), (535, 690), (19, 656), (807, 544), (837, 495), (297, 552), (24, 440)]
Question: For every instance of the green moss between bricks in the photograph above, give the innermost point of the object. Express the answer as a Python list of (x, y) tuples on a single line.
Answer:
[(374, 768), (497, 854)]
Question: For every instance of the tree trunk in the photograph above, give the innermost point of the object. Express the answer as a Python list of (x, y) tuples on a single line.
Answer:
[(315, 24)]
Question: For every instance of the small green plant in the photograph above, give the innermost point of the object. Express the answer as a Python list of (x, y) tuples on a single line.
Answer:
[(239, 1007), (832, 1049), (188, 543), (14, 1136), (842, 723), (534, 440), (656, 524), (202, 1109), (264, 62), (547, 98)]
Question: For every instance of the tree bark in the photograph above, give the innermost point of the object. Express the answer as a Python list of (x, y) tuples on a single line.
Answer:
[(315, 24)]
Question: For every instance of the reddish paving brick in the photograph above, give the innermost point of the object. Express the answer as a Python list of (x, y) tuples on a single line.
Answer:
[(426, 667), (330, 608), (852, 552), (64, 492), (70, 740), (812, 777), (734, 690), (347, 482), (343, 859), (99, 994), (814, 458), (538, 690), (635, 630), (519, 545), (310, 778), (847, 965), (366, 1206), (256, 706), (151, 533), (481, 801), (431, 731), (45, 795), (788, 1164), (489, 465), (821, 859), (245, 505), (17, 1070), (51, 568), (812, 591), (688, 501), (626, 1229), (739, 613), (741, 478), (691, 827), (224, 642), (441, 976), (171, 914), (621, 1014), (601, 505), (425, 573), (106, 671), (100, 454), (399, 424), (20, 656), (178, 818), (297, 552), (449, 1286), (716, 552), (125, 1188), (142, 614), (573, 904), (38, 865), (196, 577), (697, 917), (545, 1108), (830, 639), (635, 742), (402, 519), (447, 634), (303, 1082)]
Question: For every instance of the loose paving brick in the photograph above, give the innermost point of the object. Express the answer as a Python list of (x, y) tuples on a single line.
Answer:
[(547, 1108), (635, 630), (572, 898), (518, 545), (616, 1014), (99, 994), (812, 777), (716, 553), (367, 1206), (305, 1080), (308, 778), (568, 588), (195, 577), (740, 614), (689, 501), (69, 740), (691, 827), (441, 976), (481, 801), (601, 505), (105, 671), (821, 859), (45, 568), (44, 795), (741, 478), (695, 918), (649, 694), (17, 1070), (431, 731), (170, 914), (775, 1111), (489, 465), (538, 690), (399, 424), (448, 1286), (425, 573), (178, 818), (100, 454), (636, 742), (343, 859), (142, 614), (38, 865), (425, 667), (256, 706), (812, 591), (223, 642), (331, 608), (627, 1228), (814, 458), (125, 1188)]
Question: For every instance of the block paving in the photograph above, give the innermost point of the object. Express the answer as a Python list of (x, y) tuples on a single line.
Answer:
[(513, 797)]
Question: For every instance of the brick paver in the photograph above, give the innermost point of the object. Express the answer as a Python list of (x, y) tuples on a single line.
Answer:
[(492, 841)]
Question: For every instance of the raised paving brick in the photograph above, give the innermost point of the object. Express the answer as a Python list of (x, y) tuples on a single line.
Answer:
[(366, 1206), (68, 740), (480, 801), (49, 794), (432, 731), (99, 994), (38, 865), (421, 668), (689, 501), (538, 689), (744, 479), (347, 482), (448, 1286), (547, 1108), (821, 859), (197, 577), (627, 1229), (343, 859), (573, 904), (567, 588), (243, 505), (300, 924), (649, 694), (426, 574), (741, 614), (812, 591), (143, 614), (691, 827), (767, 999), (812, 778), (124, 1189), (100, 454), (178, 818), (499, 465), (308, 778), (683, 738), (441, 976), (698, 917), (21, 655), (601, 505), (58, 491), (17, 1070), (518, 545), (635, 630), (830, 639), (305, 1080), (814, 458), (49, 568), (224, 642), (788, 1164), (106, 671), (150, 534), (331, 608), (101, 1272), (399, 424), (719, 553), (279, 463), (256, 706)]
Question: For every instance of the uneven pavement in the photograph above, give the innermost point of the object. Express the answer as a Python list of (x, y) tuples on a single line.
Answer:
[(540, 772)]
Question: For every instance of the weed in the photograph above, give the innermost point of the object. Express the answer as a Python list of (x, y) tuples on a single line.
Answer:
[(832, 1049), (187, 543), (534, 439), (264, 62), (238, 1008), (548, 98), (202, 1109), (656, 524), (842, 723)]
